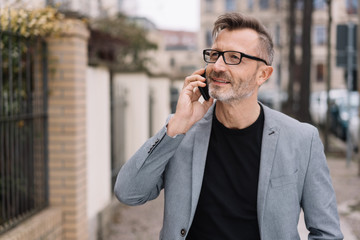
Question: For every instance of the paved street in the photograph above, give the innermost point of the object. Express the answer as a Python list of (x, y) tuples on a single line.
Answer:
[(144, 222)]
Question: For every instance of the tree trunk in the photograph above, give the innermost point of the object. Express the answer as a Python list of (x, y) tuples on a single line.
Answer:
[(328, 78), (289, 105), (304, 113)]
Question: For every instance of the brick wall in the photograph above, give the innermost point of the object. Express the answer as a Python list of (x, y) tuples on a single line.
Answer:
[(67, 127)]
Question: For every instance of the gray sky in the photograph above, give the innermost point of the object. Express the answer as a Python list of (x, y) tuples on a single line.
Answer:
[(168, 14)]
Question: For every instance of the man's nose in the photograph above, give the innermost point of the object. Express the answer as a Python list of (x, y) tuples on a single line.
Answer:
[(220, 64)]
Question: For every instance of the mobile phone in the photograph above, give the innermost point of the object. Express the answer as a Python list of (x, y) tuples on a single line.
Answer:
[(205, 90)]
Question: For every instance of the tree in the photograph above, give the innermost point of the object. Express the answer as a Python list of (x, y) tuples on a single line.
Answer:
[(289, 105), (123, 40), (304, 113)]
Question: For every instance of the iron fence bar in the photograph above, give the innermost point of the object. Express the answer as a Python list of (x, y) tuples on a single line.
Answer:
[(7, 172), (35, 124), (28, 121), (24, 112), (31, 137), (2, 165), (8, 128), (32, 123), (45, 125), (15, 140), (2, 142), (1, 72), (19, 125), (18, 129), (12, 127)]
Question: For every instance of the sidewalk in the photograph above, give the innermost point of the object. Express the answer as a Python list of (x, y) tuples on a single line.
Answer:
[(347, 188), (144, 222)]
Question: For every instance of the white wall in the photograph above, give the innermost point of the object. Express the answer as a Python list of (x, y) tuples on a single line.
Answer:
[(160, 89), (136, 88), (98, 144)]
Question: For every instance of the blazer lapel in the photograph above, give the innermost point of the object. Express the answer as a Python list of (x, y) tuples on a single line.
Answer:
[(200, 147), (269, 143)]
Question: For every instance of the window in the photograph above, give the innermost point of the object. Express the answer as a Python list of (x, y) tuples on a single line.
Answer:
[(209, 6), (230, 5), (320, 72), (264, 4), (172, 62), (351, 6), (320, 35), (319, 4), (250, 5)]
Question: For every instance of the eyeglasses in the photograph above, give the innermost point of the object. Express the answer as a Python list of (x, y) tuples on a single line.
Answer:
[(230, 57)]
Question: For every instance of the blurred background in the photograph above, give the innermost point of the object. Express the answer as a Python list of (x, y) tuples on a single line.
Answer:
[(83, 83)]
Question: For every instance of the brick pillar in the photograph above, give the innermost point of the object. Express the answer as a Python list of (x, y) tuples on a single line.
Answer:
[(67, 56)]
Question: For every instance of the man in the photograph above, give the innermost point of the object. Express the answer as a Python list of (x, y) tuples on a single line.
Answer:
[(233, 168)]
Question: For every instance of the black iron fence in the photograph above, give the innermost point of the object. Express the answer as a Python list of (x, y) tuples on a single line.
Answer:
[(23, 128)]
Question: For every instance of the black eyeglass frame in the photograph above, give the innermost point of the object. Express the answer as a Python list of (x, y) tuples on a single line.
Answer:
[(241, 56)]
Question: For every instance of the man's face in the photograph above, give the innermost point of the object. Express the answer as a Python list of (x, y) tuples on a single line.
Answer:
[(229, 83)]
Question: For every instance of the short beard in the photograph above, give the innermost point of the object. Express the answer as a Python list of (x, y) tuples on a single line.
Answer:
[(240, 90)]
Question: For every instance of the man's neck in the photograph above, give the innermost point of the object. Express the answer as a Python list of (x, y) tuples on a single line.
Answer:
[(238, 115)]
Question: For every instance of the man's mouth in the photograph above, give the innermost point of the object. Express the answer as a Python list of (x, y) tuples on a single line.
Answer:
[(220, 81)]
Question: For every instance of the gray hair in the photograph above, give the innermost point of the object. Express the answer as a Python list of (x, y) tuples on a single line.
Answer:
[(233, 21)]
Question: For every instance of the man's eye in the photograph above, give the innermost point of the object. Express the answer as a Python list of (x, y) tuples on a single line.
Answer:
[(214, 55), (235, 57)]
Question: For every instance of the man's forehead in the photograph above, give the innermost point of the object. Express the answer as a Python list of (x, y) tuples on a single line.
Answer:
[(243, 38)]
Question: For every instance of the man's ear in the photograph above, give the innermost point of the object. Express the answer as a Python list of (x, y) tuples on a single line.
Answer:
[(264, 74)]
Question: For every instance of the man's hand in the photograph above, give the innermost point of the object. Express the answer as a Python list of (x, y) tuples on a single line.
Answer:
[(188, 109)]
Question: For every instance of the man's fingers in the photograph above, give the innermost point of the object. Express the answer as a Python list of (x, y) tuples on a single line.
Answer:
[(194, 77), (192, 85), (208, 103), (199, 72), (196, 95)]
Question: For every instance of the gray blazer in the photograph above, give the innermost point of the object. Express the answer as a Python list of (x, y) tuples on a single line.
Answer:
[(293, 175)]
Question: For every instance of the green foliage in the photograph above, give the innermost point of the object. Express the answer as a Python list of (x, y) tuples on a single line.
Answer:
[(132, 42), (16, 69)]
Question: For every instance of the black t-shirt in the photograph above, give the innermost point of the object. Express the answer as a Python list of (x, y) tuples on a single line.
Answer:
[(227, 207)]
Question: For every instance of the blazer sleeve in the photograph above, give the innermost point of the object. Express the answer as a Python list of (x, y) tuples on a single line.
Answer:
[(141, 178), (318, 198)]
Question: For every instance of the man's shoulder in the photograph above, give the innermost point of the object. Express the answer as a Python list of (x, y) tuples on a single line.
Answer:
[(283, 121)]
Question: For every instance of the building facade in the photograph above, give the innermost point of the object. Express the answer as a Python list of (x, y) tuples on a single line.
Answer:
[(274, 14), (177, 55)]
